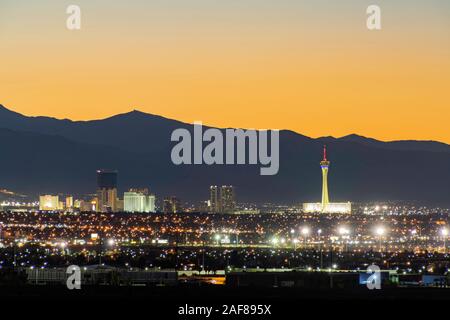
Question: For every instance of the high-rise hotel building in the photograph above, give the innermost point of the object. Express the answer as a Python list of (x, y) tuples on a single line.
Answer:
[(172, 205), (227, 200), (139, 200), (106, 190), (49, 203), (222, 200), (214, 200)]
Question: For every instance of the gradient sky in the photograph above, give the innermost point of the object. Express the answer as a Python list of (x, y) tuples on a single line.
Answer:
[(310, 66)]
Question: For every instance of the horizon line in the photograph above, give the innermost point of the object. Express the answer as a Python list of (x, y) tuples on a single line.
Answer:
[(135, 110)]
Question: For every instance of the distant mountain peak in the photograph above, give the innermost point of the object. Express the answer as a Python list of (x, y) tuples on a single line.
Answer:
[(357, 138), (136, 111), (133, 112), (353, 135)]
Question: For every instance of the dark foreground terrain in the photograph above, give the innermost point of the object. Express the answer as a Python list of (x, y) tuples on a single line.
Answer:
[(166, 302), (211, 294)]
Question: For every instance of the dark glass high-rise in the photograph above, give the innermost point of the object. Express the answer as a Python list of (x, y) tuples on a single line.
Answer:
[(107, 179)]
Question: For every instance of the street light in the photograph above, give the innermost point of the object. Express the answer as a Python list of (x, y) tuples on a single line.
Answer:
[(275, 241), (63, 246), (295, 241), (344, 232), (319, 232), (305, 232), (217, 238), (444, 233), (380, 231)]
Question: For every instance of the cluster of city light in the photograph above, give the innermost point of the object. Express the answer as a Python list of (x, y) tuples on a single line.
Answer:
[(19, 204), (276, 240), (343, 231), (265, 230), (222, 239), (379, 232), (444, 233), (346, 231)]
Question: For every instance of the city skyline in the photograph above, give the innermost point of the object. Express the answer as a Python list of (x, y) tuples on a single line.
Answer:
[(415, 170)]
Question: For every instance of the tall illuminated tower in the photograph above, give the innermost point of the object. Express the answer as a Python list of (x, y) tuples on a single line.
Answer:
[(324, 164), (325, 206)]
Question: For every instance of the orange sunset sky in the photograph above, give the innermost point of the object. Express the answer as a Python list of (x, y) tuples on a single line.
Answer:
[(308, 66)]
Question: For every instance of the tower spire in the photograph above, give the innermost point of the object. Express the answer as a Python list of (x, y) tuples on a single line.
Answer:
[(324, 152)]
